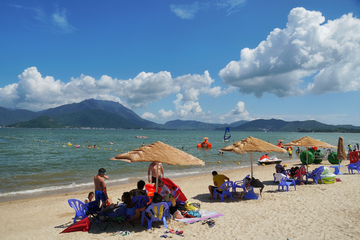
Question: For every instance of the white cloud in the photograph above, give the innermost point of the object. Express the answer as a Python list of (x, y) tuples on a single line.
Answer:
[(185, 11), (165, 114), (59, 19), (149, 115), (307, 47), (188, 11), (35, 92)]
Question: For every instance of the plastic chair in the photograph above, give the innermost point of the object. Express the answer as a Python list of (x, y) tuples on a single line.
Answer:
[(225, 187), (353, 166), (157, 212), (240, 184), (140, 201), (79, 207), (286, 182), (315, 175), (286, 173)]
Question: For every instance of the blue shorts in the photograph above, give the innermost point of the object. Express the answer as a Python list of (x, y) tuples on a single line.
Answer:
[(100, 195)]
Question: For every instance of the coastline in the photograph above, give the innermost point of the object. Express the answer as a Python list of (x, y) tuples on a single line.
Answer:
[(311, 212)]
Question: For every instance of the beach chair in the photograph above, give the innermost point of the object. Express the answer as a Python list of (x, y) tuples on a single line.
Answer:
[(157, 212), (286, 182), (224, 190), (354, 166), (240, 184), (285, 172), (315, 175), (78, 206)]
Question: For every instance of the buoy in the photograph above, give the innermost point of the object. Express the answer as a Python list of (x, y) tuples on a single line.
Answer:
[(115, 150), (121, 150), (110, 149), (219, 162), (238, 163), (104, 149)]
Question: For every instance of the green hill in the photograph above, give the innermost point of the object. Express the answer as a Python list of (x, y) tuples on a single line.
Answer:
[(40, 122), (94, 118)]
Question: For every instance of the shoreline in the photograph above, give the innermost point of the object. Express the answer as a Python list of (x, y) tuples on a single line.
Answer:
[(117, 182)]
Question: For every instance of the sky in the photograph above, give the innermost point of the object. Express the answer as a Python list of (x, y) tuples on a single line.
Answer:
[(215, 61)]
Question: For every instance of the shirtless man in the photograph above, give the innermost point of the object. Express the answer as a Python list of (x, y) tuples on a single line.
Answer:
[(100, 188), (152, 169)]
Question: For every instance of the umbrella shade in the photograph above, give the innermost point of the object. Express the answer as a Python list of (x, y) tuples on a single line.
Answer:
[(251, 145), (83, 225), (308, 142), (159, 152), (341, 154)]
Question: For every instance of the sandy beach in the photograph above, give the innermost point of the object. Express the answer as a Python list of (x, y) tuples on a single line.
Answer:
[(323, 211)]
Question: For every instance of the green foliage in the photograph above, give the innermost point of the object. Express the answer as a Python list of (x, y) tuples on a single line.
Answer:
[(40, 122)]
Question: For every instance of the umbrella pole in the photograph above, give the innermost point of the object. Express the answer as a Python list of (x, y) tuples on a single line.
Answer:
[(251, 158), (157, 177), (307, 157)]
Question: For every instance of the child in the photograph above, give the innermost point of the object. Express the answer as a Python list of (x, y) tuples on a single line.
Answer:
[(164, 190)]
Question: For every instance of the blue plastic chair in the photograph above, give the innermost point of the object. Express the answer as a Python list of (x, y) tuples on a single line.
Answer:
[(79, 207), (158, 212), (140, 201), (286, 182), (225, 187), (315, 175), (354, 166), (239, 184)]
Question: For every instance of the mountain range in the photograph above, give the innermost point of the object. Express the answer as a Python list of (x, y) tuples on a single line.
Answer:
[(107, 114)]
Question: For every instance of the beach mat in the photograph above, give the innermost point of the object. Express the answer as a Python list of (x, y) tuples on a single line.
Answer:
[(204, 215)]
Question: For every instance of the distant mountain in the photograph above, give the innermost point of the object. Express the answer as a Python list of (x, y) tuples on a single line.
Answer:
[(276, 125), (95, 118), (238, 123), (261, 125), (182, 124), (40, 122), (12, 116), (108, 106)]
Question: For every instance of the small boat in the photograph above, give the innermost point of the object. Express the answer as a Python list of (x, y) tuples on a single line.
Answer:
[(69, 144), (77, 146), (227, 135), (265, 159), (111, 143)]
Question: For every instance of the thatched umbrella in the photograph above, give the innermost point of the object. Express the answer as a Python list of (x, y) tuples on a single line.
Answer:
[(161, 153), (251, 145), (308, 142)]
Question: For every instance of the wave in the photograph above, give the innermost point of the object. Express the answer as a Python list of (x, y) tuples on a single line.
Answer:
[(56, 188)]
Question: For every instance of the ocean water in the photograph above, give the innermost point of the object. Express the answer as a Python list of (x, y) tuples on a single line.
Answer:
[(39, 162)]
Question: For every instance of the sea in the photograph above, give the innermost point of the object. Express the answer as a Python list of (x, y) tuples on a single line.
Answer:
[(38, 162)]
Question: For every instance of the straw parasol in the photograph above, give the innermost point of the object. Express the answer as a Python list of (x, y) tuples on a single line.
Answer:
[(341, 154), (251, 145), (308, 142), (161, 153)]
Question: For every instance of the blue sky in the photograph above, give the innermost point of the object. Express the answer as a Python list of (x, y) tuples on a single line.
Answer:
[(211, 61)]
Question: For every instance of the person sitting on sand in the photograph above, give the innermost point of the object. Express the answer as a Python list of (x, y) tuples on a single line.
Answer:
[(218, 180), (139, 191), (164, 190), (152, 172), (127, 208), (100, 188), (90, 197)]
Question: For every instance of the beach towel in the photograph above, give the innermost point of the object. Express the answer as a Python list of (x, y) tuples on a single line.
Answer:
[(171, 185), (204, 215)]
